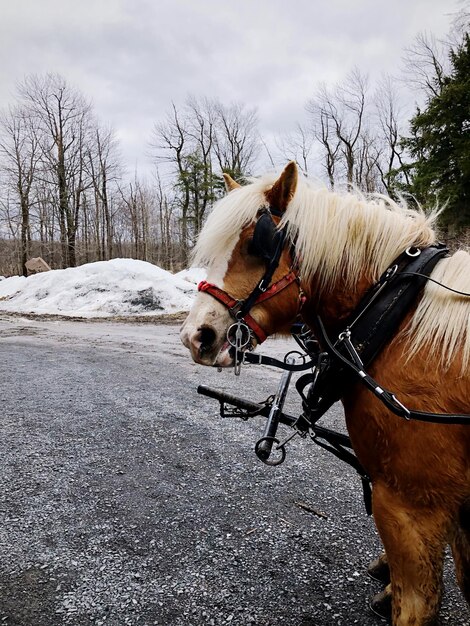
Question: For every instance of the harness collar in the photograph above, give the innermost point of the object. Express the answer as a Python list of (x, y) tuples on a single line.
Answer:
[(370, 327), (380, 312)]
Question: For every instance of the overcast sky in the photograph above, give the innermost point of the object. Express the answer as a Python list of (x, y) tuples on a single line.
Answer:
[(132, 58)]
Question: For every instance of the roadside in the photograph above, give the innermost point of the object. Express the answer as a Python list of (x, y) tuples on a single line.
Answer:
[(126, 500)]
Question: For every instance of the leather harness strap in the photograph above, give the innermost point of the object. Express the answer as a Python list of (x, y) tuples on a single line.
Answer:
[(235, 306), (231, 303)]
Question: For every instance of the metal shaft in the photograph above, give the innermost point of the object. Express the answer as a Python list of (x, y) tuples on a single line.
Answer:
[(264, 448)]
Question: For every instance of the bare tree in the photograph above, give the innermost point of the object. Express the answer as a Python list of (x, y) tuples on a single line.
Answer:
[(337, 117), (390, 130), (297, 146), (326, 134), (136, 205), (350, 97), (165, 228), (63, 118), (20, 151), (367, 159), (426, 64), (236, 140), (171, 143), (460, 23), (104, 170), (199, 172), (198, 140)]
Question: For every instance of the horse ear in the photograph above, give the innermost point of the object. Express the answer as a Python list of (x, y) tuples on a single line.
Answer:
[(230, 184), (283, 190)]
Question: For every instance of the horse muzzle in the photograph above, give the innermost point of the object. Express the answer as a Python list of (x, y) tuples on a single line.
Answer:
[(204, 333), (206, 346)]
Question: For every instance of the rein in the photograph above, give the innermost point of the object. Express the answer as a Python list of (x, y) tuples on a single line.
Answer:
[(354, 364)]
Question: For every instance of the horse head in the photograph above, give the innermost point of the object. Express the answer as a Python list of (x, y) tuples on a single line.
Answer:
[(249, 262)]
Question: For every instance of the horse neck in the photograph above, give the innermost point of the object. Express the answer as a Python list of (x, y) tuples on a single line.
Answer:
[(333, 304)]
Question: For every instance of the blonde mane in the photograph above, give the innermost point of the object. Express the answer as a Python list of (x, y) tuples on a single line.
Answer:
[(347, 234)]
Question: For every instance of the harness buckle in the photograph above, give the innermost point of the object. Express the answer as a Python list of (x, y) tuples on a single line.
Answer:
[(235, 310), (261, 286), (345, 335), (253, 356), (406, 411), (391, 272)]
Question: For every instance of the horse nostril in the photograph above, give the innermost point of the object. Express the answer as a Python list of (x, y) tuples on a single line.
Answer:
[(206, 337)]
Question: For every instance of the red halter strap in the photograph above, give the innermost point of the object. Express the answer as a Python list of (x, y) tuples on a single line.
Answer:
[(233, 304)]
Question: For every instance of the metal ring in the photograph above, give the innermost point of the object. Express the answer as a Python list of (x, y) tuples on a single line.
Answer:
[(243, 327), (413, 251), (296, 353), (391, 271)]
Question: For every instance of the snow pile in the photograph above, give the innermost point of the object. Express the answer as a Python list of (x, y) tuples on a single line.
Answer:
[(121, 287)]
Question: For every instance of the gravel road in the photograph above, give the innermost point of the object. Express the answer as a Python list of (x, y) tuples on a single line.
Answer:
[(125, 499)]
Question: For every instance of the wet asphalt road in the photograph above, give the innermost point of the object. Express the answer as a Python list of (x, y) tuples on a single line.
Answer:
[(126, 500)]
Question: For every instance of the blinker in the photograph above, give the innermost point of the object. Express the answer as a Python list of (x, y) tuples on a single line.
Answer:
[(265, 238)]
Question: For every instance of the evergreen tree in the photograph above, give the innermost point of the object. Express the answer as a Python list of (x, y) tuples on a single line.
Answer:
[(440, 145)]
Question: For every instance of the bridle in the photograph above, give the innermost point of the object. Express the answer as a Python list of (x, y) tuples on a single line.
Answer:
[(271, 252)]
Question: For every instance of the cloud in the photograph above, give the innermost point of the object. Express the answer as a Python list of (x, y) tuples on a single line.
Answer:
[(134, 57)]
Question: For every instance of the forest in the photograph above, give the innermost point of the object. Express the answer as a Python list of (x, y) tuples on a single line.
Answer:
[(65, 195)]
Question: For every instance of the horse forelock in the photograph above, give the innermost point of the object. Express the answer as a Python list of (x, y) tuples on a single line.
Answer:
[(227, 219)]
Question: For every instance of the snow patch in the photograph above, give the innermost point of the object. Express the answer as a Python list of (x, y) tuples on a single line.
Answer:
[(120, 287)]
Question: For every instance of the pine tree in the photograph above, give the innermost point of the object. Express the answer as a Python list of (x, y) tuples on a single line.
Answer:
[(440, 145)]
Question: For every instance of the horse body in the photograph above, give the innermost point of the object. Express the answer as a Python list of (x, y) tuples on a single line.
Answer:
[(421, 482), (420, 472)]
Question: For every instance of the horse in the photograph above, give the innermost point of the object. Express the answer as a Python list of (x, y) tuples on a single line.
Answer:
[(342, 243)]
